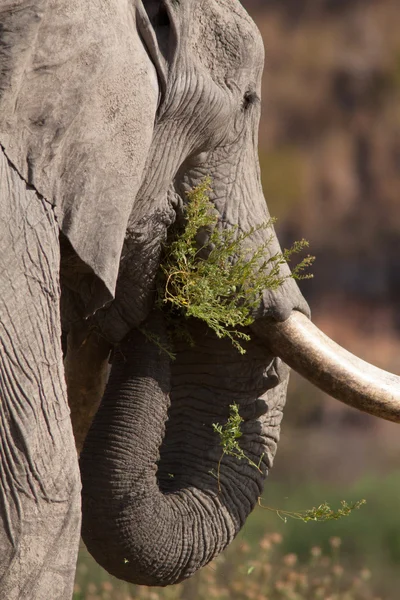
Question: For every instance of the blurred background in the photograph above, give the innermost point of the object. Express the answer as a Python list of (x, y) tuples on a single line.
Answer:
[(330, 159)]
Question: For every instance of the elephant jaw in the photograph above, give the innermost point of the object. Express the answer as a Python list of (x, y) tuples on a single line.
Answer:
[(331, 368)]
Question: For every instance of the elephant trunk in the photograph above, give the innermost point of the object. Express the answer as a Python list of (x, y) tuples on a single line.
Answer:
[(154, 516)]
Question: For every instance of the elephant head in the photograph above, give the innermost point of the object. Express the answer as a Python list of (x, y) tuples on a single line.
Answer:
[(111, 112), (157, 507), (159, 499)]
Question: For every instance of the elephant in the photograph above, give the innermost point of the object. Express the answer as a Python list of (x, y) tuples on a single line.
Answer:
[(110, 112)]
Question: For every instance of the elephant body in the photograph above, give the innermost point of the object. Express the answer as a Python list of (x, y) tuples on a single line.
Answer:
[(110, 112), (40, 485)]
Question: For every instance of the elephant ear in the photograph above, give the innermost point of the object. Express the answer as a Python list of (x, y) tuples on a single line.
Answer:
[(156, 25), (79, 91)]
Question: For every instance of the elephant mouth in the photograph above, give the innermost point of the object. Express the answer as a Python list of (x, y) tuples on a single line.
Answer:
[(331, 368)]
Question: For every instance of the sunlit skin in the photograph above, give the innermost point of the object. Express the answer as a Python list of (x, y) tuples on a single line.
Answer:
[(110, 112)]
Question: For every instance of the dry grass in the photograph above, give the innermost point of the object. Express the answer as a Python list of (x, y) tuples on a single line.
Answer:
[(240, 575)]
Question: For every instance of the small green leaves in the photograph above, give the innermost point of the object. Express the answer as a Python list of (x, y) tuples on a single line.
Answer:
[(156, 340), (325, 513), (221, 282), (229, 434), (320, 514)]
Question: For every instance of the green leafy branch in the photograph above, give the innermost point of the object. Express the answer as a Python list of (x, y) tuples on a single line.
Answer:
[(221, 282), (230, 433), (321, 514)]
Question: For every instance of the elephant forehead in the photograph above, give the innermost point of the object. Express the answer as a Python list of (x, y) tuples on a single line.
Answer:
[(226, 40)]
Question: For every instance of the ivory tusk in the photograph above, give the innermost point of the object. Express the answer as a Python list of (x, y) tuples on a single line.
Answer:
[(332, 368)]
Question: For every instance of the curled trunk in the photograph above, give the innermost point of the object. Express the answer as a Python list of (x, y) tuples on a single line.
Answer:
[(155, 508)]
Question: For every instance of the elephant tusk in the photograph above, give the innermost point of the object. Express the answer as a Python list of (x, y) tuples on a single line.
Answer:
[(299, 343)]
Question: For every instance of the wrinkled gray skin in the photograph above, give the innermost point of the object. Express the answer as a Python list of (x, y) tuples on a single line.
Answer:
[(109, 113)]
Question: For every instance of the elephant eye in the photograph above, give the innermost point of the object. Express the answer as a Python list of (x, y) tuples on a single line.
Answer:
[(162, 18), (250, 99), (157, 12)]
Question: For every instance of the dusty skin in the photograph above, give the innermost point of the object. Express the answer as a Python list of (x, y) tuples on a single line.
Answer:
[(109, 113)]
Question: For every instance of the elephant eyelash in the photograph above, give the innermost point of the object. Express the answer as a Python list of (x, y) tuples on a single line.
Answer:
[(250, 99)]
